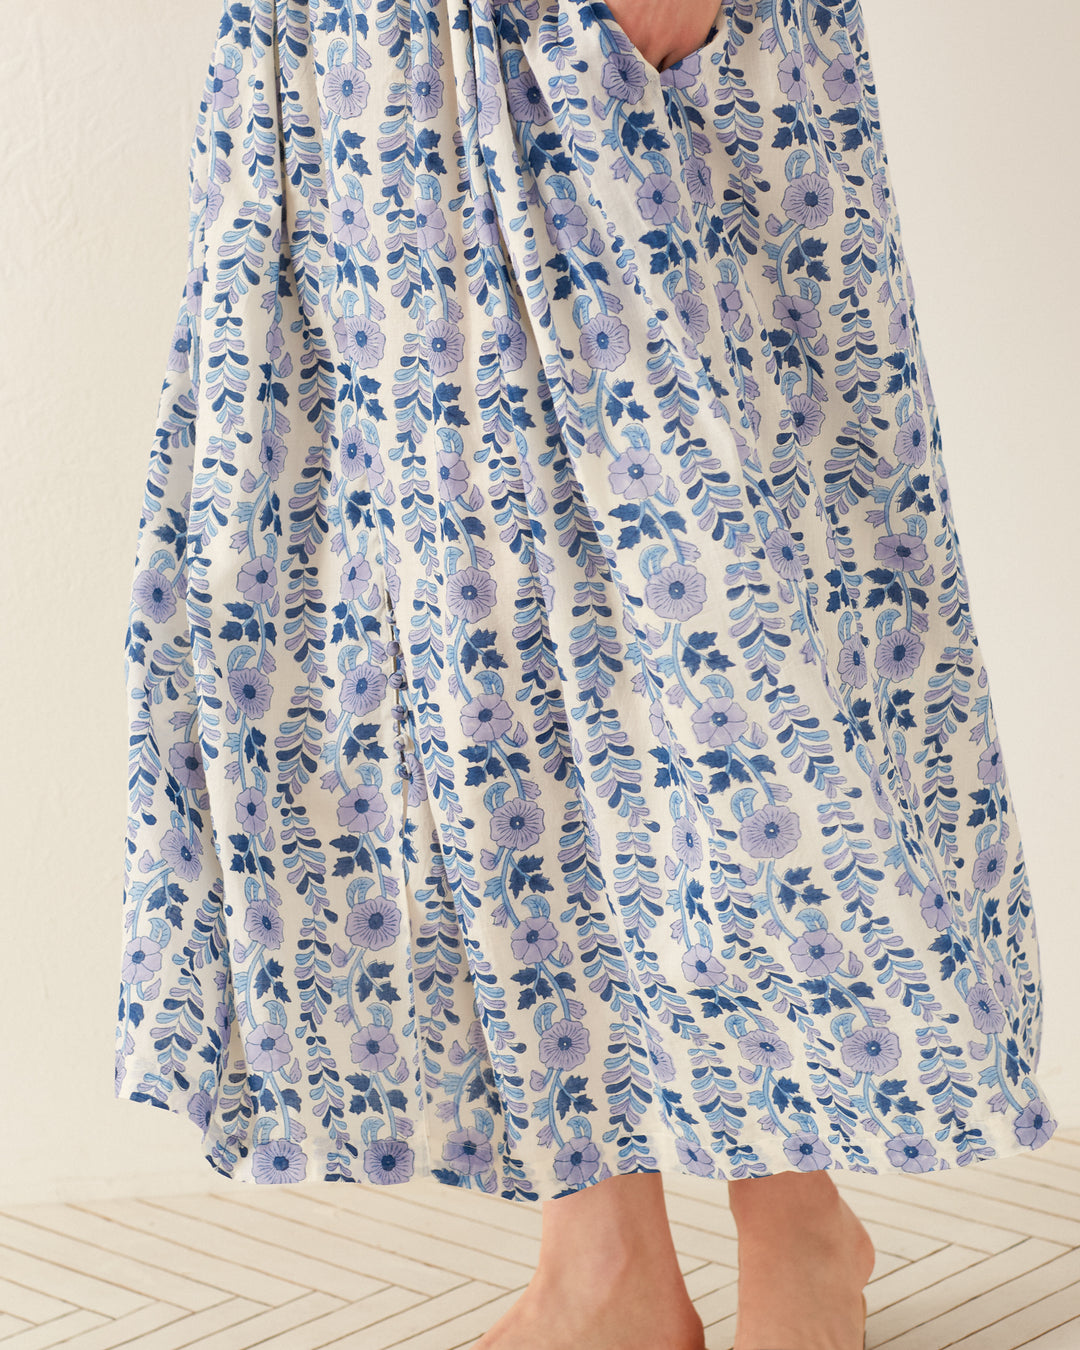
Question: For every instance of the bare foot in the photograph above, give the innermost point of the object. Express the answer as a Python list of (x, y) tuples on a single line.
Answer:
[(634, 1312), (804, 1257)]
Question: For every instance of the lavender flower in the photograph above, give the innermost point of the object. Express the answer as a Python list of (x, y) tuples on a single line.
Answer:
[(791, 76), (468, 1151), (185, 761), (623, 76), (783, 552), (183, 855), (486, 717), (719, 721), (605, 342), (984, 1009), (871, 1050), (566, 222), (635, 473), (251, 811), (565, 1044), (222, 86), (730, 301), (1034, 1125), (991, 764), (426, 87), (806, 417), (676, 592), (808, 200), (808, 1152), (799, 316), (691, 312), (153, 595), (430, 224), (373, 1047), (702, 968), (362, 809), (256, 580), (852, 663), (354, 578), (373, 923), (443, 346), (267, 1047), (360, 340), (510, 341), (697, 176), (279, 1160), (910, 444), (658, 198), (989, 867), (770, 832), (695, 1158), (534, 940), (817, 953), (362, 688), (263, 924), (526, 99), (350, 221), (577, 1161), (271, 454), (388, 1162), (841, 80), (902, 552), (936, 910), (517, 823), (765, 1048), (142, 958), (686, 844), (898, 654), (911, 1153), (345, 90)]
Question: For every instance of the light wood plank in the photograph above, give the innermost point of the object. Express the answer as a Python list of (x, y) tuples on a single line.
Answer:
[(127, 1330), (200, 1328), (884, 1205), (886, 1289), (69, 1288), (1045, 1315), (56, 1332), (58, 1233), (975, 1298), (385, 1235), (1020, 1196), (391, 1330), (10, 1325), (1064, 1337), (310, 1322), (707, 1279), (512, 1216), (1041, 1172), (463, 1330), (32, 1305)]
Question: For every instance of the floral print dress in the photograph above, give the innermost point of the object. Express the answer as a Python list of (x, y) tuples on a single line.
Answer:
[(559, 740)]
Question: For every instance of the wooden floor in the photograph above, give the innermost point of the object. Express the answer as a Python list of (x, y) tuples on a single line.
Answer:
[(987, 1258)]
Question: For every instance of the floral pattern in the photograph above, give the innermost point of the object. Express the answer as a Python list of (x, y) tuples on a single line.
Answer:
[(560, 745)]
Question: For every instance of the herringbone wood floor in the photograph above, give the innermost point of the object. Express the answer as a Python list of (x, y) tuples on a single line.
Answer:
[(987, 1258)]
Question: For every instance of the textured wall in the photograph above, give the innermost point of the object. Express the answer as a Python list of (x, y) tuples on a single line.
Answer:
[(101, 100)]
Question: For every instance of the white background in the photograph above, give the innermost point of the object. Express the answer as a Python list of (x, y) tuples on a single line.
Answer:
[(978, 110)]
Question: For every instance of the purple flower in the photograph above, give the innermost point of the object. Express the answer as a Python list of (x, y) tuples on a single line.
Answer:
[(852, 663), (452, 476), (782, 551), (526, 100), (984, 1009), (510, 341), (702, 968), (698, 179), (487, 219), (991, 765), (467, 1151), (350, 220), (903, 552), (676, 592), (635, 473), (719, 721), (153, 595), (841, 80), (791, 75), (142, 957), (355, 452), (808, 200), (279, 1160), (272, 454), (345, 91), (256, 579), (374, 923), (251, 811), (663, 1064), (806, 417), (471, 595), (251, 690), (373, 1047), (263, 923), (817, 953), (362, 688), (222, 86), (936, 910), (565, 1044), (517, 823), (695, 1158), (605, 342), (427, 90), (898, 654), (430, 224), (692, 313), (576, 1161), (1001, 981), (770, 832), (185, 760), (730, 301), (658, 198), (899, 333), (762, 1047), (808, 1152), (182, 854), (200, 1109), (911, 1152), (354, 577), (1034, 1125), (362, 809), (686, 844), (796, 314), (910, 444), (360, 340), (486, 717), (180, 348), (534, 940), (623, 76), (566, 222), (871, 1050), (989, 867), (442, 345), (267, 1047), (388, 1162)]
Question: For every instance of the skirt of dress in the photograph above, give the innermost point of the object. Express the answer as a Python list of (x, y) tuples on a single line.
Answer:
[(560, 745)]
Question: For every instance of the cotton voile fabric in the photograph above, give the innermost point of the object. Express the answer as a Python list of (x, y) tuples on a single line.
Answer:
[(560, 744)]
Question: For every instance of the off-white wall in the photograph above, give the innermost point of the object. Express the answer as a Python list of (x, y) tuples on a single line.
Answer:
[(978, 110)]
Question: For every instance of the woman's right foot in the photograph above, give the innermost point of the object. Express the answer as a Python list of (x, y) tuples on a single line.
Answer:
[(804, 1257)]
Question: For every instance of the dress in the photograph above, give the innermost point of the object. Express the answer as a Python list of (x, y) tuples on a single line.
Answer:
[(560, 744)]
